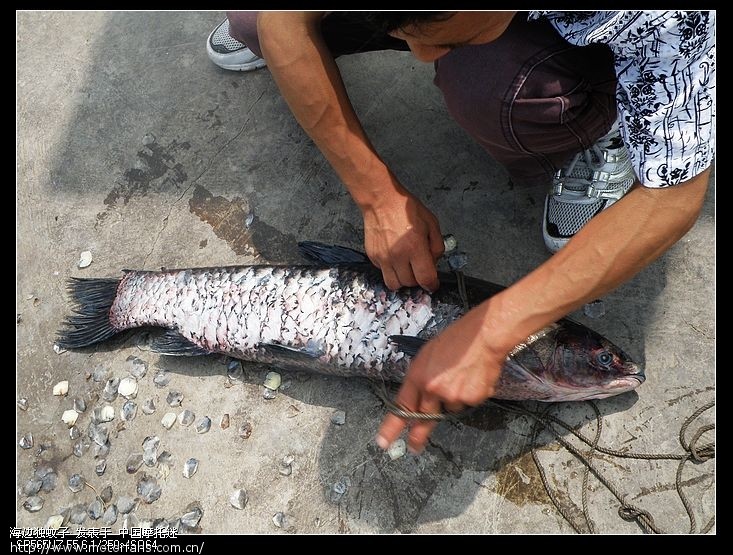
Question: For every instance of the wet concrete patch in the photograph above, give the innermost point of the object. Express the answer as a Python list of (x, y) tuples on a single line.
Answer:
[(153, 162), (228, 219), (518, 481)]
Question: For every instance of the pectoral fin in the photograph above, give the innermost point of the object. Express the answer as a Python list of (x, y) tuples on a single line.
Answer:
[(307, 353), (293, 358), (173, 343), (407, 344)]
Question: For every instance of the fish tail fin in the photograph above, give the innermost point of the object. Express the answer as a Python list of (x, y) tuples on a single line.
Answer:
[(90, 322)]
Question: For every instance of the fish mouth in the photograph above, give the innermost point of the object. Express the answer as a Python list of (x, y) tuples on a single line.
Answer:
[(611, 388), (626, 383), (623, 384), (636, 373)]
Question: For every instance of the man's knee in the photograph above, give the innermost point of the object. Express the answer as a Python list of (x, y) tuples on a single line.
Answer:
[(530, 98), (243, 27)]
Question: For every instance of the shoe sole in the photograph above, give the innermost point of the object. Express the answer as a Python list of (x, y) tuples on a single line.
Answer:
[(218, 59), (242, 67)]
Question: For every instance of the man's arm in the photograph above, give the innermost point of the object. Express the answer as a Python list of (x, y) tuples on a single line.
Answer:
[(462, 365), (401, 235)]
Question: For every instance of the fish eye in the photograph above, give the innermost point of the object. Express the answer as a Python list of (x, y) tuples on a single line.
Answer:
[(604, 358)]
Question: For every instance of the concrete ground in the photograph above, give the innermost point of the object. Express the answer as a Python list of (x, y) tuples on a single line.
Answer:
[(131, 144)]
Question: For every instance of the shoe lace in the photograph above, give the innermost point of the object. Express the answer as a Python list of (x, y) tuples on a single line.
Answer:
[(578, 174)]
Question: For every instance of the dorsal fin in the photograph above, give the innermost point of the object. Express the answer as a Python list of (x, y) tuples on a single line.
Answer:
[(331, 255)]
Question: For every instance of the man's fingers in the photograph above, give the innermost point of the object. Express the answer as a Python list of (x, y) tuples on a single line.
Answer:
[(419, 434), (405, 275), (390, 430), (390, 277), (437, 247), (477, 388), (426, 274), (392, 425), (420, 430)]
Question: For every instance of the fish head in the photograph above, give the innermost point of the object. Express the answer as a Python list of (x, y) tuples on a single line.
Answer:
[(568, 361), (586, 365)]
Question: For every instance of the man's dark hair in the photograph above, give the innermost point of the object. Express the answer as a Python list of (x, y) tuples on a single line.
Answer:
[(391, 21)]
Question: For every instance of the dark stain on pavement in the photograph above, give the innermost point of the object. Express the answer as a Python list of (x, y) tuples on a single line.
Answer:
[(676, 400), (154, 161), (210, 117), (659, 487), (518, 481), (228, 218)]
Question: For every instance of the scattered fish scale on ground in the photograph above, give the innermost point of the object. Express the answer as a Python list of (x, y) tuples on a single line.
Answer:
[(100, 467), (203, 425), (137, 367), (150, 488), (186, 418), (148, 406), (115, 388), (128, 411), (101, 508), (26, 441)]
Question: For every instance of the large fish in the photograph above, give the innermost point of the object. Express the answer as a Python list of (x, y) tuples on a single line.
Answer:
[(336, 317)]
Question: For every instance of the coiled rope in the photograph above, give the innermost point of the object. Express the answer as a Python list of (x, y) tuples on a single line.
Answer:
[(693, 451)]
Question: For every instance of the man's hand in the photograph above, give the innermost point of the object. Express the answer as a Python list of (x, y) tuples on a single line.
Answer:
[(453, 370), (402, 238)]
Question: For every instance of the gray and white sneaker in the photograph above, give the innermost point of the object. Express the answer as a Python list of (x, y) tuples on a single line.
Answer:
[(228, 53), (591, 182)]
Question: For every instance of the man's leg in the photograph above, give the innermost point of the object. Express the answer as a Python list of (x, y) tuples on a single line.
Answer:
[(546, 110), (530, 98), (235, 44)]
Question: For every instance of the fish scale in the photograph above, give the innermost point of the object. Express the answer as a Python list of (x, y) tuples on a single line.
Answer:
[(235, 310)]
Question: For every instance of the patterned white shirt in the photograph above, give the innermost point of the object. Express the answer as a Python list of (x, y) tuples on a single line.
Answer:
[(665, 64)]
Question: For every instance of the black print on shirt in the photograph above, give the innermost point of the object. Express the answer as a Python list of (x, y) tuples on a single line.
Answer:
[(665, 64)]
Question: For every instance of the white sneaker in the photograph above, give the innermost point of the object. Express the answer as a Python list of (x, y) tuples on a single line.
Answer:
[(228, 53), (592, 181)]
